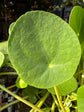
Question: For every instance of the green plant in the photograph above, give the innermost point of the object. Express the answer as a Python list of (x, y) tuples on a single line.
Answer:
[(45, 51)]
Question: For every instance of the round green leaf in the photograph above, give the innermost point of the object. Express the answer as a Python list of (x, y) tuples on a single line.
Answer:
[(44, 50), (20, 83), (66, 87), (1, 59), (80, 99)]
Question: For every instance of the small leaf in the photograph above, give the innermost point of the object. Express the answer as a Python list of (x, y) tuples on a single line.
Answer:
[(1, 59), (80, 99), (47, 109), (31, 92), (4, 50), (66, 87), (20, 83), (4, 47), (42, 48)]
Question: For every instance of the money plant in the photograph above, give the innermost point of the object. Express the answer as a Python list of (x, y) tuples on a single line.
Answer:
[(47, 54)]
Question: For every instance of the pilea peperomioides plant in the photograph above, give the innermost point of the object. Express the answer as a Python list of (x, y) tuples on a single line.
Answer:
[(45, 52), (42, 49)]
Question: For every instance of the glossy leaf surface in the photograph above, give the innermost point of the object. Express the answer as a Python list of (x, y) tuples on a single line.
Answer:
[(42, 48), (80, 99)]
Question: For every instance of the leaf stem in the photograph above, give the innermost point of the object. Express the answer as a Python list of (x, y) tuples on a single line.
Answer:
[(21, 99), (9, 87), (42, 100), (59, 100), (53, 107), (11, 103), (78, 73), (8, 73), (10, 65), (66, 100), (55, 100)]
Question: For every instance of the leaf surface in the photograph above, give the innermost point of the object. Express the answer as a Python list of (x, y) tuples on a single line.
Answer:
[(44, 50), (80, 99)]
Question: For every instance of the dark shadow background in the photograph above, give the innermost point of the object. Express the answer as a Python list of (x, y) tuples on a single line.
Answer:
[(10, 10)]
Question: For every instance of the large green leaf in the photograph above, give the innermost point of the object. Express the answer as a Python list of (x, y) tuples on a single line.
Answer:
[(76, 21), (66, 87), (44, 50), (1, 59), (80, 99)]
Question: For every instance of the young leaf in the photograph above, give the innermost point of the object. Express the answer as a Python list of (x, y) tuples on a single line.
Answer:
[(20, 83), (80, 99), (44, 50), (31, 92), (47, 109), (66, 87), (4, 50), (1, 59), (4, 47)]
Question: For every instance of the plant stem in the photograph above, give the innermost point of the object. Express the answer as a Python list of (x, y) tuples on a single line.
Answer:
[(55, 100), (66, 100), (8, 73), (59, 100), (21, 99), (9, 87), (10, 65), (78, 73), (53, 107), (41, 101), (11, 103)]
